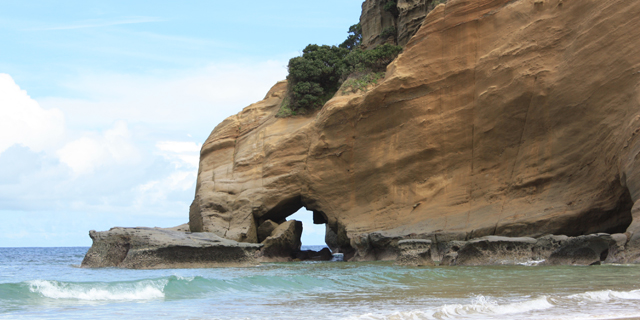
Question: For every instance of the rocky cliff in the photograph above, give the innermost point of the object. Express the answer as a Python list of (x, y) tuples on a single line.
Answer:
[(381, 26), (501, 117)]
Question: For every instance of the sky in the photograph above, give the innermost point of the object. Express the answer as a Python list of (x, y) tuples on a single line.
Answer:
[(104, 105)]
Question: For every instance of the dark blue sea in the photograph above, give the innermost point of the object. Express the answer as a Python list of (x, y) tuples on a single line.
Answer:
[(46, 283)]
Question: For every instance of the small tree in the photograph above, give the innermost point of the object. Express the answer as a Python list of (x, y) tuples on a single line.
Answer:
[(354, 39), (315, 75)]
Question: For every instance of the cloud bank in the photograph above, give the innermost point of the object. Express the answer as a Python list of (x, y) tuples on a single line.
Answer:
[(125, 154)]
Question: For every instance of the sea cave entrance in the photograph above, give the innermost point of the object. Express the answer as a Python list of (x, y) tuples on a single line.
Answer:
[(318, 239)]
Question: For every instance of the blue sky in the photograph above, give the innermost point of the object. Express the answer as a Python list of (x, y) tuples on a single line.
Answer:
[(104, 104)]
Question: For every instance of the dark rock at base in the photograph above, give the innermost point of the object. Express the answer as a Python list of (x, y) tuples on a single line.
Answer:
[(583, 250), (155, 248), (493, 250), (415, 252), (618, 252), (310, 255), (331, 238), (266, 229), (375, 246), (547, 244), (283, 243)]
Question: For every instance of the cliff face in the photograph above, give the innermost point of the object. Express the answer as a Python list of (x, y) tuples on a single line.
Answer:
[(375, 20), (501, 117)]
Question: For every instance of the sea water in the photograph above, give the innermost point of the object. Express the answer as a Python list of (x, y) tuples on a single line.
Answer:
[(46, 283)]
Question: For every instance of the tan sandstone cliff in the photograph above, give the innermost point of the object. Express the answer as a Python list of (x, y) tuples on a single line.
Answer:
[(501, 117)]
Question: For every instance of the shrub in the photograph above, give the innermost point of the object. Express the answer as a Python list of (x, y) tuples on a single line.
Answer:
[(375, 60), (315, 76), (285, 109), (361, 82), (388, 32)]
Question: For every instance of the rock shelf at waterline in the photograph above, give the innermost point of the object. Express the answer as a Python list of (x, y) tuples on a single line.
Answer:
[(145, 248)]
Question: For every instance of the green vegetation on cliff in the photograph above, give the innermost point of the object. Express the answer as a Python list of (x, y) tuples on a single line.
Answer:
[(316, 75)]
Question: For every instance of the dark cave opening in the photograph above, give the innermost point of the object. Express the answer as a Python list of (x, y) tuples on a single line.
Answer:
[(598, 220), (318, 236)]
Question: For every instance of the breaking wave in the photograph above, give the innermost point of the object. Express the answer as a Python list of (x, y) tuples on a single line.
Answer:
[(142, 290), (171, 287), (485, 307), (606, 295), (480, 305)]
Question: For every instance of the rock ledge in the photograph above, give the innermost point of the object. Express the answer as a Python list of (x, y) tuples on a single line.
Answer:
[(155, 248)]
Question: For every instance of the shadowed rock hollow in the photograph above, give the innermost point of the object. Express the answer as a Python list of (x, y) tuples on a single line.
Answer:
[(510, 118)]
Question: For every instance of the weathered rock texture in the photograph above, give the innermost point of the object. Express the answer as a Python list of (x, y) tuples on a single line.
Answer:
[(584, 250), (155, 248), (374, 20), (415, 252), (283, 243), (266, 229), (501, 117)]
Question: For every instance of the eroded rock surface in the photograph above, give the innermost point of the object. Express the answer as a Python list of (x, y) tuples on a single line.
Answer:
[(492, 250), (283, 243), (415, 252), (375, 20), (584, 250), (155, 248), (266, 229)]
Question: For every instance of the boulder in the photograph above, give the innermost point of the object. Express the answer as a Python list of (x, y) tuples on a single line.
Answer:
[(151, 248), (283, 243), (415, 252), (266, 229), (331, 239)]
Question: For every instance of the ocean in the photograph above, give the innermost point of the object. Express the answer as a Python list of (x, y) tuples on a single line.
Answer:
[(46, 283)]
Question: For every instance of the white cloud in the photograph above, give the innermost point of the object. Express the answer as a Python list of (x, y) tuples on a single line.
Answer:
[(180, 153), (158, 191), (128, 150), (89, 152), (195, 99), (23, 121)]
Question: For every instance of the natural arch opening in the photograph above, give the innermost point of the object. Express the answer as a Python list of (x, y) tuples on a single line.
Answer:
[(315, 241)]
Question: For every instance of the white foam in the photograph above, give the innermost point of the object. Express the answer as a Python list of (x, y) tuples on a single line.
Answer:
[(531, 263), (480, 306), (483, 305), (135, 291), (606, 295)]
